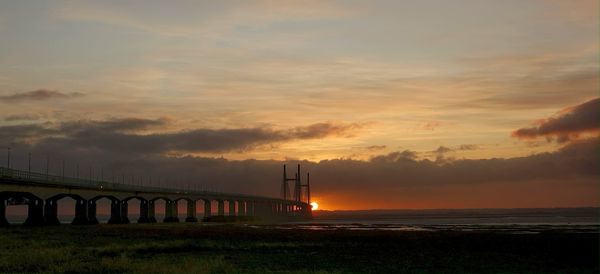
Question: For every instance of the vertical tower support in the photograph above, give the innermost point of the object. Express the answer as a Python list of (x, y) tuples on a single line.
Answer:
[(144, 210), (115, 212), (241, 208), (124, 212), (80, 212), (207, 208), (231, 208), (3, 221), (221, 208), (51, 212), (151, 211), (191, 212), (91, 212), (36, 212)]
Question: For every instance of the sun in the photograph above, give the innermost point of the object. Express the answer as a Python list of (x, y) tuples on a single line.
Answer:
[(314, 205)]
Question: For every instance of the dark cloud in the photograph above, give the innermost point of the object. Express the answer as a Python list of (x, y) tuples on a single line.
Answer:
[(393, 178), (322, 130), (569, 124), (123, 136), (22, 133), (87, 127), (39, 95)]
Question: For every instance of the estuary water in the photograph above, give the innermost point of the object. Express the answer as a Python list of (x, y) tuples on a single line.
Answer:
[(503, 220), (583, 220)]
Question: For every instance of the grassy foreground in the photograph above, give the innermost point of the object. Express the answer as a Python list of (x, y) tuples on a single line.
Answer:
[(197, 248)]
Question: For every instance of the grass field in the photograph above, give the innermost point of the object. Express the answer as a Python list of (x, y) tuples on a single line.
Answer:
[(197, 248)]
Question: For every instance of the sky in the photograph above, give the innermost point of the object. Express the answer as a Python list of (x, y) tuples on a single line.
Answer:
[(389, 104)]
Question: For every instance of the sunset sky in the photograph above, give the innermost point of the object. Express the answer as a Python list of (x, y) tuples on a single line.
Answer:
[(389, 104)]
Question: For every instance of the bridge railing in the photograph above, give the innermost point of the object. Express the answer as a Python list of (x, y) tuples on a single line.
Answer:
[(50, 179), (43, 178)]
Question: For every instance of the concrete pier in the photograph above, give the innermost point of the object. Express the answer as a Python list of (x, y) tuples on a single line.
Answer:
[(115, 212), (35, 212), (241, 208), (231, 208), (91, 212), (171, 212), (191, 212), (151, 212), (3, 221), (207, 209), (221, 208), (124, 212), (51, 212)]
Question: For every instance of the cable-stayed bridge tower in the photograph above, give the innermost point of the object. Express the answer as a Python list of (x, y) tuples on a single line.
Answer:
[(301, 191)]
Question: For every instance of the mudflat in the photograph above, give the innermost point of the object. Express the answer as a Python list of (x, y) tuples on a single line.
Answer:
[(234, 248)]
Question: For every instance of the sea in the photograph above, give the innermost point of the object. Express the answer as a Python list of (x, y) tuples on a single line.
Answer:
[(520, 220)]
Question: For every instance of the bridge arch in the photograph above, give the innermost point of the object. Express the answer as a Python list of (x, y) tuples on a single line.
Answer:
[(143, 209), (201, 204), (35, 207), (52, 209), (115, 209), (190, 215), (170, 214)]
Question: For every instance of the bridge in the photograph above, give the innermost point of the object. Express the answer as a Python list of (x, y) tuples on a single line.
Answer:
[(41, 193)]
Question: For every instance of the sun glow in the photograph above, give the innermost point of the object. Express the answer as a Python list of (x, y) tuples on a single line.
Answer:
[(314, 205)]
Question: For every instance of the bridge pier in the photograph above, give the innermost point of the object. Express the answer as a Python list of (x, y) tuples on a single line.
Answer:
[(171, 212), (91, 213), (191, 212), (151, 212), (35, 212), (80, 212), (249, 208), (124, 212), (207, 208), (231, 208), (143, 212), (175, 211), (115, 212), (3, 221), (51, 212), (261, 208), (241, 208), (221, 208)]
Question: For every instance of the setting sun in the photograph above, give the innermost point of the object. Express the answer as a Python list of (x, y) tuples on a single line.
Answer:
[(314, 205)]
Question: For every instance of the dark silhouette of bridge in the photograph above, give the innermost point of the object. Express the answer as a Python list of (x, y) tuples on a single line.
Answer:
[(41, 193)]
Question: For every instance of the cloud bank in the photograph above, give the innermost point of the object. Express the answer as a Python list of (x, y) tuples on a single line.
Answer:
[(567, 177), (123, 135), (569, 124)]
